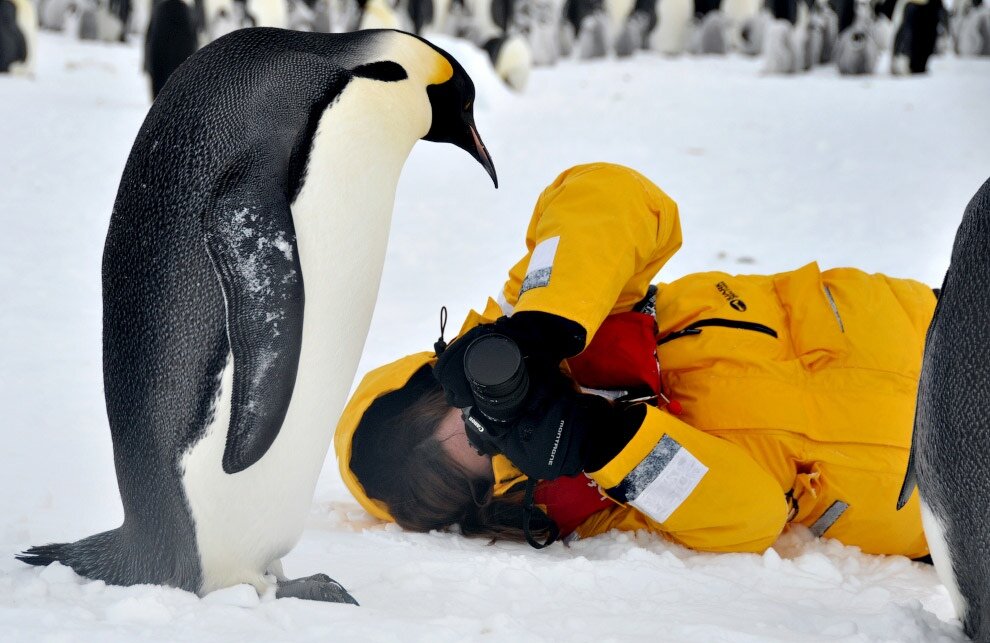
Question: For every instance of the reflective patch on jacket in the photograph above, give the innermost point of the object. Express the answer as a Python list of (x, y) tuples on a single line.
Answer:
[(540, 265), (662, 481)]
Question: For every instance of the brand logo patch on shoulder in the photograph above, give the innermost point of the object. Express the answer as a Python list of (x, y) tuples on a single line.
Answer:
[(664, 479), (540, 265)]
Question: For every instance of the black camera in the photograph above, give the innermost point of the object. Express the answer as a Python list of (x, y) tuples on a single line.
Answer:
[(495, 369)]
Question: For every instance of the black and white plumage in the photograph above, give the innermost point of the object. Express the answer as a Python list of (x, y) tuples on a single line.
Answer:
[(950, 449), (915, 27), (18, 36), (240, 271), (171, 38)]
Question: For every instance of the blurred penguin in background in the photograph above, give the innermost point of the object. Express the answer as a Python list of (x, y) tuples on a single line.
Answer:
[(421, 14), (301, 16), (122, 10), (637, 29), (675, 26), (52, 14), (511, 57), (493, 26), (915, 27), (970, 28), (509, 43), (752, 33), (538, 21), (97, 22), (18, 37), (737, 14), (857, 49), (786, 38), (708, 35), (590, 23), (379, 14), (216, 18), (140, 17), (170, 40), (268, 13)]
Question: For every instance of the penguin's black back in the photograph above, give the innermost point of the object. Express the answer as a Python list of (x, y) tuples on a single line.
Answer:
[(252, 98), (951, 447)]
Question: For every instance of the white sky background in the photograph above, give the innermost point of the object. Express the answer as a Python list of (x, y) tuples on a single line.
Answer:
[(769, 173)]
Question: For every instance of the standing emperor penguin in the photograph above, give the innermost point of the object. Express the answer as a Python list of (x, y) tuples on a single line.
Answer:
[(950, 449), (240, 272)]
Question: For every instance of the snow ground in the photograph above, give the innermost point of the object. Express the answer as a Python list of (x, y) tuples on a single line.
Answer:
[(769, 172)]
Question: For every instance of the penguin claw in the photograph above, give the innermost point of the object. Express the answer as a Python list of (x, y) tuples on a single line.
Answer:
[(318, 587)]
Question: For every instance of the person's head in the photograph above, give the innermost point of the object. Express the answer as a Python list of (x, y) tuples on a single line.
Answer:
[(405, 455)]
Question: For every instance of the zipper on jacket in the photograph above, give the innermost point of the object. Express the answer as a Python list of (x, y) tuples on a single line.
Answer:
[(695, 328)]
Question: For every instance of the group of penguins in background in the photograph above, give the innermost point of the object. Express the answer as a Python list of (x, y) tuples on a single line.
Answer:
[(791, 35)]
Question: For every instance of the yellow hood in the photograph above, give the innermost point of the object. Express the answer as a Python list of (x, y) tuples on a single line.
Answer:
[(382, 380)]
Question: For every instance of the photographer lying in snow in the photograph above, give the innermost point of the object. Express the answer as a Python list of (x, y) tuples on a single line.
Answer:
[(780, 398)]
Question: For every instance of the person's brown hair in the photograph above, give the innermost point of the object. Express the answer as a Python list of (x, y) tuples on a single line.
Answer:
[(399, 460)]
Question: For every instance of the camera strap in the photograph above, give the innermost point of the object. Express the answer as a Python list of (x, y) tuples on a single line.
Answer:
[(440, 345), (528, 507)]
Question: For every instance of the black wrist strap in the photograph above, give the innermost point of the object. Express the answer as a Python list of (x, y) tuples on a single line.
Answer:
[(552, 532)]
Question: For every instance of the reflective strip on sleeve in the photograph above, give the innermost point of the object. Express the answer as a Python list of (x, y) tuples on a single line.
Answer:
[(540, 265), (828, 518), (662, 481)]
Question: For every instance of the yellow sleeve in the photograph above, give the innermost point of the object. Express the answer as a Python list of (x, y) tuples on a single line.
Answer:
[(598, 236), (699, 490)]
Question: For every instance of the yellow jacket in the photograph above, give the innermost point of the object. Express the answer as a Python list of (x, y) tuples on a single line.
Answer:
[(797, 389)]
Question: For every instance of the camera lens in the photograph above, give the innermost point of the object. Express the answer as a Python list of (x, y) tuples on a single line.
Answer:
[(497, 374)]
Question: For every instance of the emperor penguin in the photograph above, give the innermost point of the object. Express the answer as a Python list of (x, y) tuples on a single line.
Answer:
[(170, 40), (857, 48), (950, 447), (674, 28), (639, 25), (512, 60), (379, 14), (915, 28), (268, 13), (18, 36), (970, 28), (240, 271)]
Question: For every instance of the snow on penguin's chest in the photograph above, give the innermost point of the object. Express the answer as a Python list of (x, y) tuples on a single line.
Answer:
[(342, 214)]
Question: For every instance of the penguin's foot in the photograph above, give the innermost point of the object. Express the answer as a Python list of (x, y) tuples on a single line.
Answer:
[(318, 587)]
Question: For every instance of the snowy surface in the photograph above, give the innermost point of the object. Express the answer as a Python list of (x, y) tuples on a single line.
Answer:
[(769, 173)]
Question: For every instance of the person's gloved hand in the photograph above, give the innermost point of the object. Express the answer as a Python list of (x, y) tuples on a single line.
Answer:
[(546, 440), (561, 432)]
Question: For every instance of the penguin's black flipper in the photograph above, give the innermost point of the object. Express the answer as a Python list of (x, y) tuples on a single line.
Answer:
[(251, 241), (911, 475), (910, 482)]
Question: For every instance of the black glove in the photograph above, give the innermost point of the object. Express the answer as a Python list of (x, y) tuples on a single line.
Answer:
[(547, 440)]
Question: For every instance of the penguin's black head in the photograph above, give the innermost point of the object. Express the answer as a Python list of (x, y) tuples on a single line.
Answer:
[(452, 102)]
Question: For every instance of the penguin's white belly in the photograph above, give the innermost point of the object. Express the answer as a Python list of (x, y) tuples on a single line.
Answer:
[(247, 520), (939, 549)]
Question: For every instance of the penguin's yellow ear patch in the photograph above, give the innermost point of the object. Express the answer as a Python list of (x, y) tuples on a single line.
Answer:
[(442, 72)]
